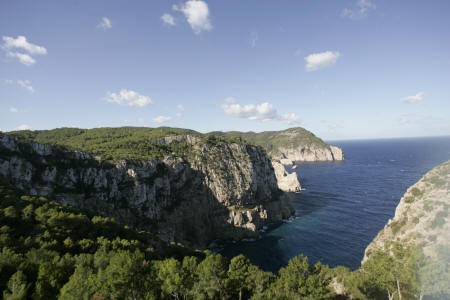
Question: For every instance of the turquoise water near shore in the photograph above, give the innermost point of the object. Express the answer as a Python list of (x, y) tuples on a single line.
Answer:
[(343, 205)]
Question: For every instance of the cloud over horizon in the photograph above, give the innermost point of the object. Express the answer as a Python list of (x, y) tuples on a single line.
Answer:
[(128, 98), (415, 98), (162, 119), (196, 13), (257, 112), (322, 60), (12, 46), (23, 127)]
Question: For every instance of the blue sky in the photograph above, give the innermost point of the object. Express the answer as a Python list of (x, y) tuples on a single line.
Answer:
[(342, 69)]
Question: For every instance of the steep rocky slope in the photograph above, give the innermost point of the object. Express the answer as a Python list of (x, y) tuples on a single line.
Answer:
[(422, 216), (290, 145), (219, 190)]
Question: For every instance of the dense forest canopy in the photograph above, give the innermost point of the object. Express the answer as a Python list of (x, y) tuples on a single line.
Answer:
[(52, 251)]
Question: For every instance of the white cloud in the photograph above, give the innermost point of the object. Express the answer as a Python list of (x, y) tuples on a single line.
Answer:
[(22, 43), (105, 24), (253, 39), (230, 100), (13, 109), (321, 60), (416, 98), (9, 81), (168, 19), (23, 127), (180, 107), (362, 7), (162, 119), (26, 84), (11, 45), (257, 112), (196, 13), (129, 98), (25, 59), (178, 115)]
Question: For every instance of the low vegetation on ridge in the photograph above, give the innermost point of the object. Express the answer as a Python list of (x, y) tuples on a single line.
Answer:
[(140, 143), (272, 141)]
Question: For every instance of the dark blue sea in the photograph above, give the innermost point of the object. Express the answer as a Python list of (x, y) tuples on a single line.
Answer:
[(345, 204)]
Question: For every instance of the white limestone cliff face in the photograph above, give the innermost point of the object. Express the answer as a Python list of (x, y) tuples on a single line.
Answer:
[(308, 153), (287, 182), (422, 216), (224, 191)]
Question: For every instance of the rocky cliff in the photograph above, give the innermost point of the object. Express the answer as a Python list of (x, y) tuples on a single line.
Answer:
[(422, 216), (310, 153), (290, 145), (220, 190), (287, 182)]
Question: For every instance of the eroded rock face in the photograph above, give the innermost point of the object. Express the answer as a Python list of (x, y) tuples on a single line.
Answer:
[(224, 191), (287, 182), (310, 153), (422, 216)]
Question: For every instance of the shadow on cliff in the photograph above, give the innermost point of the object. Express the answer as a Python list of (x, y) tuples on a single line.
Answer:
[(181, 209)]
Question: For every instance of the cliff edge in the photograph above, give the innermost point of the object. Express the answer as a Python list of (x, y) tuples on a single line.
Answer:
[(422, 216), (215, 190), (290, 145)]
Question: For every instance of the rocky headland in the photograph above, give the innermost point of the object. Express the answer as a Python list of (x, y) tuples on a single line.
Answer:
[(291, 145), (218, 190), (422, 216)]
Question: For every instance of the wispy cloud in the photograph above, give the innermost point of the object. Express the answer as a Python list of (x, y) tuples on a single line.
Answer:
[(359, 11), (317, 61), (180, 107), (105, 24), (26, 84), (197, 15), (415, 98), (257, 112), (253, 39), (128, 98), (168, 19), (162, 119), (15, 47), (13, 109)]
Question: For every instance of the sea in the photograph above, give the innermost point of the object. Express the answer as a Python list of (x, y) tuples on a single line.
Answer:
[(344, 204)]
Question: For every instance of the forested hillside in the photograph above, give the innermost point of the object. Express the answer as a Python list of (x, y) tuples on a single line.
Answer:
[(141, 143), (51, 251)]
